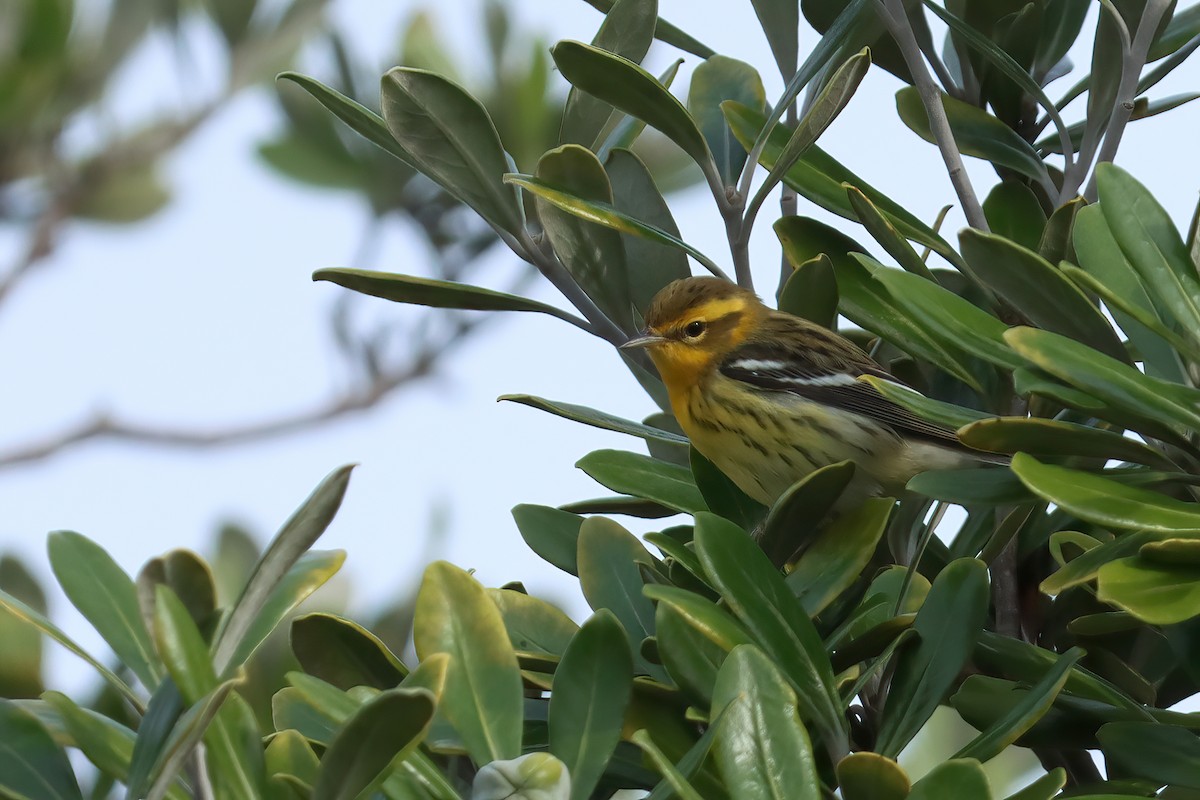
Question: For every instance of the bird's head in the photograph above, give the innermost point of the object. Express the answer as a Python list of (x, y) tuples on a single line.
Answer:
[(693, 323)]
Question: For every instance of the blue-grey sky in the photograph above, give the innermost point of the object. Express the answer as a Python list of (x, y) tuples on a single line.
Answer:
[(205, 316)]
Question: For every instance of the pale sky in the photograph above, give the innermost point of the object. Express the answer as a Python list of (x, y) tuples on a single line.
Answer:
[(206, 316)]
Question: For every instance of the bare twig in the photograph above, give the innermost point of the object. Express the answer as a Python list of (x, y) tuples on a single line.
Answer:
[(893, 16), (1131, 70)]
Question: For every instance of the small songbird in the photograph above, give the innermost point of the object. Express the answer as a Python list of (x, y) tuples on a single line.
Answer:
[(769, 397)]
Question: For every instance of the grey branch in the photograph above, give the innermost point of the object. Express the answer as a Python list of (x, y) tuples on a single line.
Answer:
[(893, 16)]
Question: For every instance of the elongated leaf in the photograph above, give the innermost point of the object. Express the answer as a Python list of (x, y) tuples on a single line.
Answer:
[(32, 766), (344, 653), (780, 21), (884, 232), (381, 732), (1152, 243), (550, 532), (763, 748), (837, 558), (672, 777), (811, 292), (664, 32), (798, 513), (482, 698), (606, 215), (182, 647), (1161, 753), (1161, 594), (976, 132), (1054, 438), (870, 776), (162, 713), (184, 738), (1106, 502), (694, 637), (1044, 788), (627, 30), (592, 687), (610, 578), (948, 624), (959, 778), (434, 293), (1014, 213), (593, 254), (27, 614), (1025, 714), (452, 141), (642, 476), (652, 264), (626, 86), (1084, 567), (718, 79), (822, 180), (1038, 290), (944, 414), (722, 495), (1119, 385), (758, 595), (361, 119)]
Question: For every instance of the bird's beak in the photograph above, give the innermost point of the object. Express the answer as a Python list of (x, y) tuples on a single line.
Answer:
[(645, 340)]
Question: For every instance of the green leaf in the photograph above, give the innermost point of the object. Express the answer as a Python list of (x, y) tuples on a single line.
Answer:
[(482, 697), (642, 476), (757, 594), (288, 753), (182, 647), (797, 515), (652, 264), (344, 653), (610, 578), (780, 21), (1119, 385), (1056, 244), (1160, 753), (124, 196), (1024, 714), (884, 232), (1038, 290), (664, 32), (948, 624), (969, 486), (278, 580), (22, 663), (380, 733), (718, 79), (551, 533), (672, 777), (358, 117), (822, 180), (1099, 254), (31, 616), (606, 215), (105, 743), (593, 254), (811, 292), (1161, 594), (184, 738), (188, 576), (723, 496), (591, 689), (694, 636), (1014, 213), (945, 414), (1105, 502), (626, 86), (976, 132), (434, 293), (1152, 244), (107, 598), (870, 776), (1054, 438), (1044, 788), (32, 766), (157, 723), (452, 141), (762, 748), (839, 554), (959, 778), (627, 31), (533, 625)]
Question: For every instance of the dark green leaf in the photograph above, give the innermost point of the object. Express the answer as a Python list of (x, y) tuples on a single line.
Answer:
[(960, 778), (383, 731), (948, 624), (944, 414), (811, 292), (32, 766), (452, 141), (797, 515), (664, 32), (1014, 213), (839, 554), (1044, 788), (716, 80), (780, 21), (695, 637), (549, 532), (884, 232), (723, 496), (592, 687), (756, 592), (642, 476), (1055, 438), (344, 653), (597, 419), (1161, 753), (182, 648), (435, 293), (763, 749), (482, 696), (533, 625)]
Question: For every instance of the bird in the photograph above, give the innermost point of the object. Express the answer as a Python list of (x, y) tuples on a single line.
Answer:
[(769, 397)]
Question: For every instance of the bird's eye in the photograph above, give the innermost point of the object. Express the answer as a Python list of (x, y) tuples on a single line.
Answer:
[(694, 329)]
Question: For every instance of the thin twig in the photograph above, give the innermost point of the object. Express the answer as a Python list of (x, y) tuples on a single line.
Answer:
[(1131, 70), (893, 16), (788, 205)]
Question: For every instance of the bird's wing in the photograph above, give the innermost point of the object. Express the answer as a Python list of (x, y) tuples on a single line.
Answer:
[(775, 367)]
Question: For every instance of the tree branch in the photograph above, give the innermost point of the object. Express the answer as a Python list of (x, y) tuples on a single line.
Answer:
[(896, 21)]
